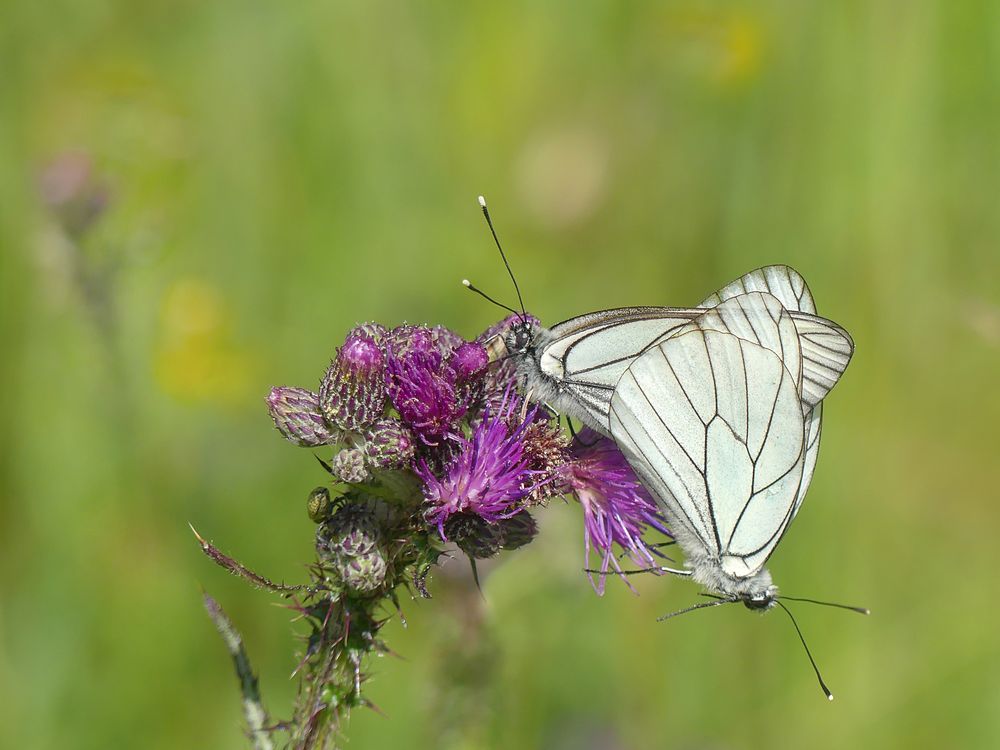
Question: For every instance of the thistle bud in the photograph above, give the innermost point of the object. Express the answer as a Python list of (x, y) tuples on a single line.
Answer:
[(475, 536), (296, 414), (319, 504), (389, 444), (518, 530), (352, 394), (364, 573), (349, 466), (352, 531)]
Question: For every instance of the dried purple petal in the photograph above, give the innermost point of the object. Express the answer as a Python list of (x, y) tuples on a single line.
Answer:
[(352, 394), (389, 444), (296, 414)]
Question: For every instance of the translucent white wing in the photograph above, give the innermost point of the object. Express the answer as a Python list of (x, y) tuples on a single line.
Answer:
[(713, 425), (588, 354), (783, 282), (826, 347), (788, 286)]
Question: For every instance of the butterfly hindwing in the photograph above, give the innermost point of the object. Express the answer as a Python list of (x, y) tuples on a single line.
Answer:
[(712, 424)]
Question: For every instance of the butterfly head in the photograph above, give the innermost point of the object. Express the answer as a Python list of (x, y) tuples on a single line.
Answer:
[(761, 600), (520, 338)]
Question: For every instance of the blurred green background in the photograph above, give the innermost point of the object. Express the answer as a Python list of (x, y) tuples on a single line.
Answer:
[(275, 172)]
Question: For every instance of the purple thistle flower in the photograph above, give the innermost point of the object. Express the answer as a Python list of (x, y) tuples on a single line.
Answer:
[(422, 385), (617, 509), (489, 476), (296, 414), (352, 394)]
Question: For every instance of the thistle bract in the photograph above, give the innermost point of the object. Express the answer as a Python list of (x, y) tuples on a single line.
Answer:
[(389, 444), (349, 466)]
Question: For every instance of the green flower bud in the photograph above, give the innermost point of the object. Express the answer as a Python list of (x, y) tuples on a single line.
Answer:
[(364, 573), (476, 537), (352, 531), (518, 530), (389, 444), (349, 466)]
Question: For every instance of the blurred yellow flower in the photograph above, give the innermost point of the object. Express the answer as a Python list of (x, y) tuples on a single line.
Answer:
[(196, 359), (725, 45)]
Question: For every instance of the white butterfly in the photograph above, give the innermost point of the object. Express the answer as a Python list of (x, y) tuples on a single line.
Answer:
[(717, 408)]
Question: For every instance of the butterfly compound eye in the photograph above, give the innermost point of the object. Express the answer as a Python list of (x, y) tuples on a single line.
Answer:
[(522, 337)]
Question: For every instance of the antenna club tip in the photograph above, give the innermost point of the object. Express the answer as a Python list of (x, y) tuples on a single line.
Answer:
[(466, 282), (829, 696), (482, 201), (866, 611)]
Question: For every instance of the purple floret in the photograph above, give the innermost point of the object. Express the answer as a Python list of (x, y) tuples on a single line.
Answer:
[(489, 476), (617, 509)]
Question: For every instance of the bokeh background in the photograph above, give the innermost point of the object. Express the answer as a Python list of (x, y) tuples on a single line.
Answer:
[(199, 199)]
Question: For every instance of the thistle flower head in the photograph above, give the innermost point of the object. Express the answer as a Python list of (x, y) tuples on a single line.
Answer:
[(352, 393), (617, 509), (488, 476), (296, 414), (422, 385)]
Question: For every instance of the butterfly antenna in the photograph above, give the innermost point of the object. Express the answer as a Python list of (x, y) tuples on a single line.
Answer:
[(693, 607), (859, 610), (503, 255), (812, 661), (468, 285)]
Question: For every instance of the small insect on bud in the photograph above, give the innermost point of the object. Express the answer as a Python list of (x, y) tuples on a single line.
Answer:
[(475, 536), (518, 530), (319, 504), (349, 466), (352, 393), (353, 530), (296, 414), (389, 444)]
